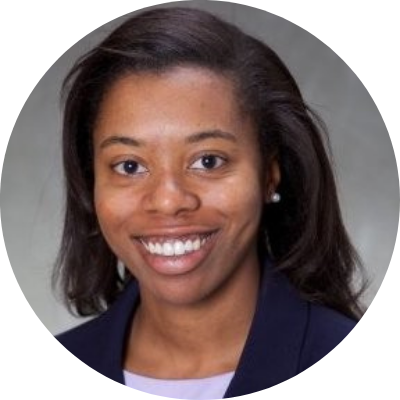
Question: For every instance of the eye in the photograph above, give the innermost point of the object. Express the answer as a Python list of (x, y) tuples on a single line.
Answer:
[(129, 167), (208, 161)]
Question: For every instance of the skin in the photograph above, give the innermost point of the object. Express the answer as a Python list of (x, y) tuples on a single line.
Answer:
[(174, 155)]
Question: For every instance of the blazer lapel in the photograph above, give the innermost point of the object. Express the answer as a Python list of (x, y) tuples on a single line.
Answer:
[(272, 351), (116, 328)]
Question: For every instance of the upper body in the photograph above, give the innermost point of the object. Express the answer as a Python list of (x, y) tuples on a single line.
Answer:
[(287, 336)]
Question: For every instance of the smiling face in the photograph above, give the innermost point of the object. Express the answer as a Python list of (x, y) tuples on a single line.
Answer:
[(179, 183)]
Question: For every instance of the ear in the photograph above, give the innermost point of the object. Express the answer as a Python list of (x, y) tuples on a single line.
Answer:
[(272, 179)]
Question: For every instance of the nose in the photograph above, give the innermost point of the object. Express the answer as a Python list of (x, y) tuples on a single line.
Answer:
[(171, 195)]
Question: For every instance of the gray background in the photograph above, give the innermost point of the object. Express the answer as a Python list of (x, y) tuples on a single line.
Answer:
[(31, 187)]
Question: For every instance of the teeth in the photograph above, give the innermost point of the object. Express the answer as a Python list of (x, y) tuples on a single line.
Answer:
[(196, 244), (175, 247), (188, 246), (179, 248), (168, 249)]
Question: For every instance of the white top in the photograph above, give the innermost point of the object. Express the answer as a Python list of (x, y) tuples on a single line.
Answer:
[(213, 387)]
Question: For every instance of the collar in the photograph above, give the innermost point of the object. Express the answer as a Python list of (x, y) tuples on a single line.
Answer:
[(272, 351)]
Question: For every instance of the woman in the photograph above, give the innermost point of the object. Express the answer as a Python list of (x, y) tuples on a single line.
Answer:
[(192, 160)]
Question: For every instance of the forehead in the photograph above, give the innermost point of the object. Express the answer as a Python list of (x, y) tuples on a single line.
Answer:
[(179, 97), (171, 83)]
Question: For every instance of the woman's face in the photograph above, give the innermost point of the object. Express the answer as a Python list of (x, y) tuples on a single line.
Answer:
[(179, 186)]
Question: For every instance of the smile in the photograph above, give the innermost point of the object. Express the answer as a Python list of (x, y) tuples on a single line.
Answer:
[(172, 247)]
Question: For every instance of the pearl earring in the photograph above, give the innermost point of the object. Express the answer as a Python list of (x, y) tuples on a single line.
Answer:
[(275, 197)]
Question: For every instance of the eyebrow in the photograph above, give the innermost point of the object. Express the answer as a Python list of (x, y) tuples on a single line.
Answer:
[(126, 140), (213, 134), (193, 138)]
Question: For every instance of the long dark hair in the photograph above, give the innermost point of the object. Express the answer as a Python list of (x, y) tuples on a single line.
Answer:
[(303, 234)]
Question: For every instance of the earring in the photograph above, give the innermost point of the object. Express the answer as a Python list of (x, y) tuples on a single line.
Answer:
[(275, 197)]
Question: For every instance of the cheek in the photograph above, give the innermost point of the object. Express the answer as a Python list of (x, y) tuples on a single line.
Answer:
[(112, 209), (239, 199)]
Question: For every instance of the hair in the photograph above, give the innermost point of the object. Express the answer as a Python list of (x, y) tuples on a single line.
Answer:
[(303, 234)]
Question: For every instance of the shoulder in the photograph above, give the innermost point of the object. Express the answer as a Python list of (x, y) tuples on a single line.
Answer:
[(81, 333), (100, 341), (325, 329), (86, 340)]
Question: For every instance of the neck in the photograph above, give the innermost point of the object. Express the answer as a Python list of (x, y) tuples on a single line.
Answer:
[(196, 340)]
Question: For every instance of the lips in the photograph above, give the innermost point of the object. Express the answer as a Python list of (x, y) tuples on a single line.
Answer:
[(172, 247), (175, 252)]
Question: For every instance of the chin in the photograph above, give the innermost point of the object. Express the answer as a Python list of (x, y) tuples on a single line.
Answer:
[(182, 291)]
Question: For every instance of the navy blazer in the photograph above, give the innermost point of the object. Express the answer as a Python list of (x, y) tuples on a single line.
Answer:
[(287, 336)]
